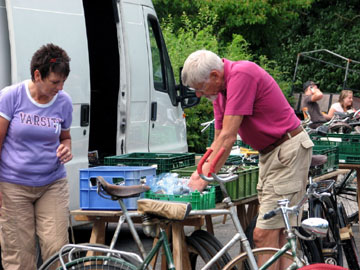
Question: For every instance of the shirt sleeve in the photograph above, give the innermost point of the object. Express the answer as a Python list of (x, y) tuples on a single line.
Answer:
[(67, 114), (7, 103), (241, 94)]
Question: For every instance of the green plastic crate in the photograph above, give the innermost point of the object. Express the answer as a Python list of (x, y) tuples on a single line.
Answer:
[(349, 159), (349, 146), (332, 154), (198, 200), (164, 162), (244, 186)]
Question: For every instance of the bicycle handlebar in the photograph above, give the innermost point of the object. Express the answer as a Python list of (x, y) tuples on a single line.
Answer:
[(213, 163)]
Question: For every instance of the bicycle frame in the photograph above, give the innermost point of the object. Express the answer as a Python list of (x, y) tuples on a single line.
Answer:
[(290, 245), (240, 235), (162, 242)]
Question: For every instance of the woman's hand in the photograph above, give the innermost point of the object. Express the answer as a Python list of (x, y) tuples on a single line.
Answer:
[(64, 153)]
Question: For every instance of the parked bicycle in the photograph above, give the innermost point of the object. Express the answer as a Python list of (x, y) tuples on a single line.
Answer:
[(340, 237), (247, 258), (340, 123), (217, 257)]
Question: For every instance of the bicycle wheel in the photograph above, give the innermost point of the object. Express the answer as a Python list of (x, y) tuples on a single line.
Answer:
[(53, 262), (197, 251), (346, 193), (331, 244), (240, 262), (99, 263), (348, 241), (211, 240), (311, 251)]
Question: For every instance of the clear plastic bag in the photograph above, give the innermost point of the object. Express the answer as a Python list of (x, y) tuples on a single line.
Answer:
[(170, 183)]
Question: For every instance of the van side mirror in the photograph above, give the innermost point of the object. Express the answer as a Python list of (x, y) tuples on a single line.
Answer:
[(187, 97)]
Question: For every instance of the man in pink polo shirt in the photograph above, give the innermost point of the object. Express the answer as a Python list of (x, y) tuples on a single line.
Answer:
[(248, 101)]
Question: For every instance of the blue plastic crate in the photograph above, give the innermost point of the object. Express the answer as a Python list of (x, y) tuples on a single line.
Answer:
[(128, 176)]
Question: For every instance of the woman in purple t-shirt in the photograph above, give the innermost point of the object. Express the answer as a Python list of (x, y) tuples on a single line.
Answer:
[(35, 142)]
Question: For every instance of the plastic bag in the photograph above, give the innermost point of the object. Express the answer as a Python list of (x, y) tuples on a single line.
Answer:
[(170, 184)]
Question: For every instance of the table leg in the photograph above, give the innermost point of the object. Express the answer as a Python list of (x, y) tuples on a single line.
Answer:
[(97, 235), (180, 253), (241, 212), (209, 224)]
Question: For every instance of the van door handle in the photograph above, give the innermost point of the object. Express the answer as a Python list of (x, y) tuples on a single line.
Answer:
[(84, 117), (153, 111)]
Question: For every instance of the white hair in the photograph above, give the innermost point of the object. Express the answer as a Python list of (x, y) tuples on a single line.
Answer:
[(198, 65)]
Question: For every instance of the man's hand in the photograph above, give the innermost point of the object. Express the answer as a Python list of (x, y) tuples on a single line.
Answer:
[(64, 153), (196, 183)]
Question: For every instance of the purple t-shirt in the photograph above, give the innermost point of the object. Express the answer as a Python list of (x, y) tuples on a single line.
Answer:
[(28, 155), (253, 93)]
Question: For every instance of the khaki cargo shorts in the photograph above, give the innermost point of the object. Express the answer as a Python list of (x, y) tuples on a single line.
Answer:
[(283, 174)]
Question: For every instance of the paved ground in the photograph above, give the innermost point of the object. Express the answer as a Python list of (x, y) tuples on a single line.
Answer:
[(223, 232)]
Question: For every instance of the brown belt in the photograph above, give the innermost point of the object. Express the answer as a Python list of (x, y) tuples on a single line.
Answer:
[(284, 138)]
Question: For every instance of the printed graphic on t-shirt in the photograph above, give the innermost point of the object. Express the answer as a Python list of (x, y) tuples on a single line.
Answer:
[(41, 121)]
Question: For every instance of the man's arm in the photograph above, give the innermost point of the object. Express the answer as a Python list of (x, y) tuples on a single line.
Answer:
[(225, 139), (316, 93)]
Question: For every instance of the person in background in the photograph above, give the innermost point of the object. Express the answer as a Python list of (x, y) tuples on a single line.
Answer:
[(344, 105), (248, 101), (35, 142), (312, 95)]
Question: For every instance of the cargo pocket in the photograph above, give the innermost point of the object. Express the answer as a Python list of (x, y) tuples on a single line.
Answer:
[(307, 144), (285, 186)]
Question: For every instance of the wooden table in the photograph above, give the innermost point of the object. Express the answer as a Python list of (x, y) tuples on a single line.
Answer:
[(247, 208)]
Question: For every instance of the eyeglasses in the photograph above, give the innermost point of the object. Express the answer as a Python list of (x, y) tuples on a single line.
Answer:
[(196, 90), (201, 89)]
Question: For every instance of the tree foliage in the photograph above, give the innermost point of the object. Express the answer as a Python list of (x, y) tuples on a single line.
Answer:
[(270, 33), (199, 34)]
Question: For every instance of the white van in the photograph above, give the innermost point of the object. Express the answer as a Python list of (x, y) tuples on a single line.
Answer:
[(121, 80)]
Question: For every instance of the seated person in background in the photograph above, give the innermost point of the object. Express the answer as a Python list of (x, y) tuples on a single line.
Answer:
[(312, 95), (344, 105)]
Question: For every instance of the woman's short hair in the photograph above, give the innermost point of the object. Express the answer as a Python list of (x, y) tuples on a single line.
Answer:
[(198, 65), (50, 58), (343, 95)]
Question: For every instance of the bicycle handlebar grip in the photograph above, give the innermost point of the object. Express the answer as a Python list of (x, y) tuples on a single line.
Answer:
[(215, 160), (203, 159), (270, 214)]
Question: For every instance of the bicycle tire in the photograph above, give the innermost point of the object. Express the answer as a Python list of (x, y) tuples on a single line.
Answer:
[(331, 244), (311, 249), (53, 262), (349, 245), (346, 192), (99, 263), (213, 241), (241, 260), (211, 250), (196, 250)]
